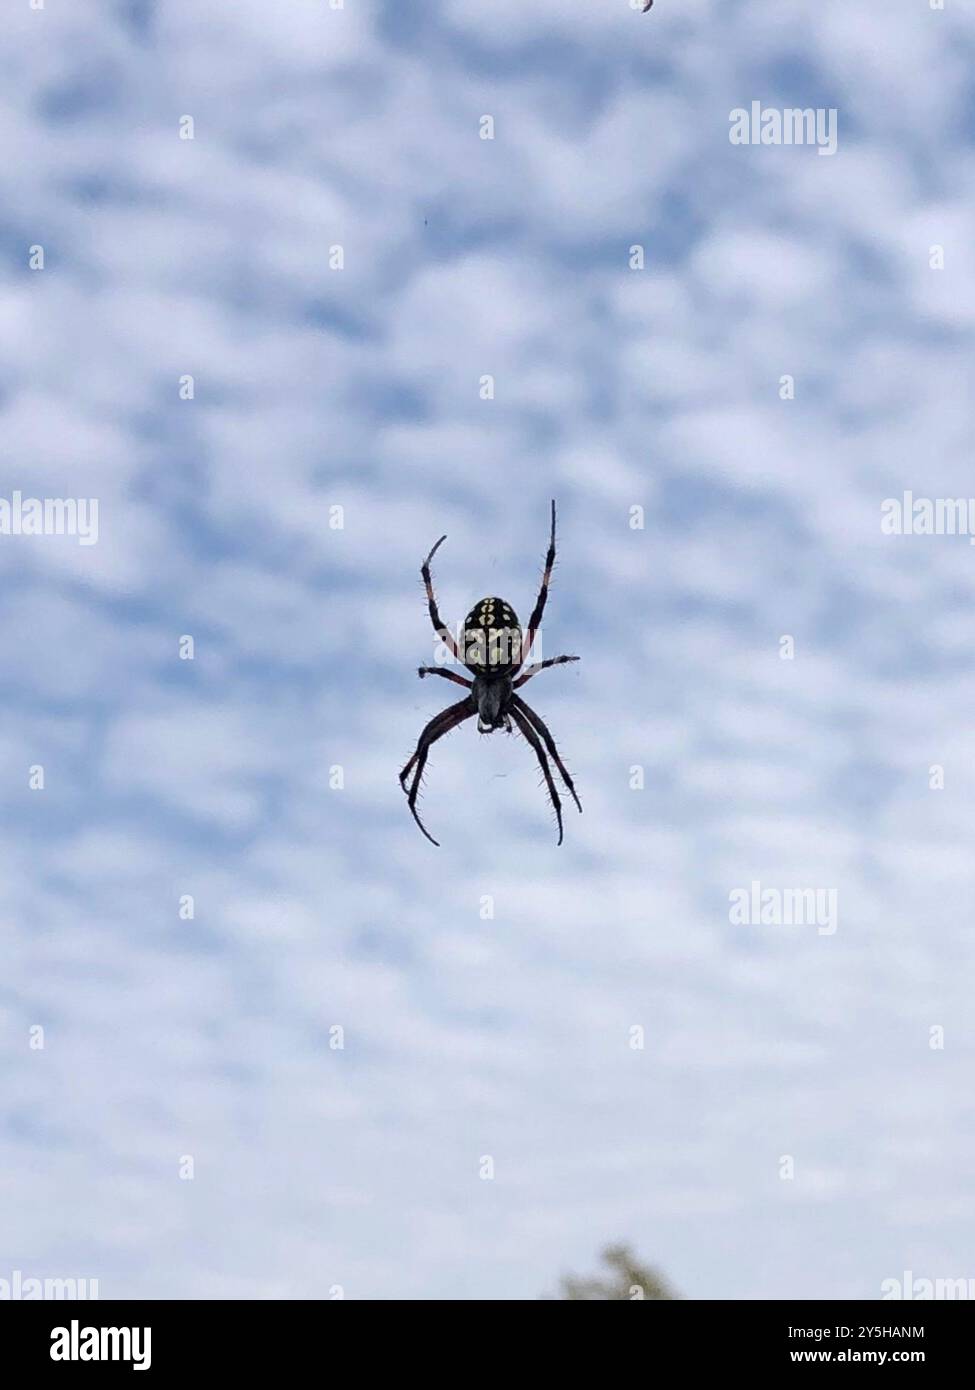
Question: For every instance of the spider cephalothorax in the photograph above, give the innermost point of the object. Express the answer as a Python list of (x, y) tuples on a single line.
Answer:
[(494, 651)]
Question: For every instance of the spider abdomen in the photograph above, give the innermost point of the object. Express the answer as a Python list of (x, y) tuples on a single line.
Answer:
[(492, 638)]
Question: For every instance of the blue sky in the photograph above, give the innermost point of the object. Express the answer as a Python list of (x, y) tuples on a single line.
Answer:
[(465, 1036)]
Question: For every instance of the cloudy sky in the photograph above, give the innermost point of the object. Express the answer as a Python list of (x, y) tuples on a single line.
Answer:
[(489, 995)]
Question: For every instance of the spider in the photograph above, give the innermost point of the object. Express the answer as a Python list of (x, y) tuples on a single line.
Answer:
[(495, 650)]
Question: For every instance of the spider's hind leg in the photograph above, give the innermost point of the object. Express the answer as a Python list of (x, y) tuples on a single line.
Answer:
[(435, 618), (539, 608)]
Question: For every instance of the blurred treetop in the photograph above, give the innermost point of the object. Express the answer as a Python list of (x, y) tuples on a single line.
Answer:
[(627, 1278)]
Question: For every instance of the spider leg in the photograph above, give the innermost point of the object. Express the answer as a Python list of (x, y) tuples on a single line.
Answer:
[(527, 729), (538, 723), (438, 625), (439, 725), (530, 671), (539, 608), (422, 671)]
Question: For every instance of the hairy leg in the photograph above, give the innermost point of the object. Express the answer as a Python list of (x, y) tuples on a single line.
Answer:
[(539, 608), (422, 671), (526, 728), (438, 624), (530, 671), (439, 725), (538, 723)]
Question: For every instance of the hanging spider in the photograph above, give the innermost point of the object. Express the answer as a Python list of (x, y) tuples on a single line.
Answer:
[(495, 650)]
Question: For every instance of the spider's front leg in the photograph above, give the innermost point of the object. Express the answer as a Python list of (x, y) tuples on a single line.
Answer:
[(439, 725), (541, 728), (529, 733)]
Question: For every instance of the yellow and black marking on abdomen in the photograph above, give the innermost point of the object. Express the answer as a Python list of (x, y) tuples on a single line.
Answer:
[(492, 638)]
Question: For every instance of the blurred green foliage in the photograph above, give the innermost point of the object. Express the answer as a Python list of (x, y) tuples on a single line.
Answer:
[(626, 1278)]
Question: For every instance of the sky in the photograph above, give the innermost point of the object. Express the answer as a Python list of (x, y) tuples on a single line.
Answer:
[(286, 355)]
